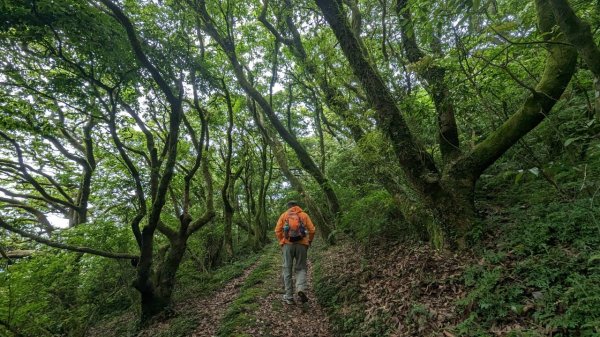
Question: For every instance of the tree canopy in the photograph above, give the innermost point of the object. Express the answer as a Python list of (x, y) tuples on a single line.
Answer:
[(151, 132)]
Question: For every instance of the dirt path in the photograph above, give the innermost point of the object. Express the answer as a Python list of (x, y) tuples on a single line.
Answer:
[(273, 318), (210, 310)]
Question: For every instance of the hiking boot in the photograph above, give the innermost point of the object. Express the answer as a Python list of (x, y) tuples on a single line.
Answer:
[(289, 301), (303, 297)]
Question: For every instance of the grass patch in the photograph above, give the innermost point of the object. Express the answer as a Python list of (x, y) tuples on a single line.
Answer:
[(240, 312), (202, 284), (179, 326)]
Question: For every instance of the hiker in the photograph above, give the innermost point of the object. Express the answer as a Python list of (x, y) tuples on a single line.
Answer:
[(295, 232)]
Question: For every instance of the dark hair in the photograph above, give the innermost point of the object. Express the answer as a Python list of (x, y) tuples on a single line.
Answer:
[(292, 203)]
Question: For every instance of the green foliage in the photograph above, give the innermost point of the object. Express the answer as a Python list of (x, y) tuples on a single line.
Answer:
[(63, 292), (417, 317), (374, 215), (542, 269), (202, 271), (64, 62), (370, 210)]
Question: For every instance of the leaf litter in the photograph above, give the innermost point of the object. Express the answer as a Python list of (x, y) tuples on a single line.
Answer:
[(402, 289)]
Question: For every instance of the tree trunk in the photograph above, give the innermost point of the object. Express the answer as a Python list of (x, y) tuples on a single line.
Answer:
[(151, 304), (158, 288), (225, 191), (303, 156), (168, 270), (453, 210), (318, 112), (260, 219), (450, 196), (578, 32), (227, 250)]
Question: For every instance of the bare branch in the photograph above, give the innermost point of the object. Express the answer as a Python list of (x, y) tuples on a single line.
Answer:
[(18, 254), (167, 231), (139, 53)]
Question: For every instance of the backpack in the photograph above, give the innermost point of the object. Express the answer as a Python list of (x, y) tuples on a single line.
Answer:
[(294, 229)]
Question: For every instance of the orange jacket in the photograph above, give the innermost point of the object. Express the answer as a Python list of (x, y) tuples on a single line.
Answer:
[(310, 227)]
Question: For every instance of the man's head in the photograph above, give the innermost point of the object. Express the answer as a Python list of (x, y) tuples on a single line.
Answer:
[(292, 203)]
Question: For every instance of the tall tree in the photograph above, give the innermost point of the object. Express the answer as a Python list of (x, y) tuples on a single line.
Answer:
[(227, 43), (449, 192), (114, 95)]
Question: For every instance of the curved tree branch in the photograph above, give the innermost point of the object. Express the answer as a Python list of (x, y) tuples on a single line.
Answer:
[(578, 32), (434, 76), (64, 246), (41, 217), (23, 168), (139, 53), (560, 67)]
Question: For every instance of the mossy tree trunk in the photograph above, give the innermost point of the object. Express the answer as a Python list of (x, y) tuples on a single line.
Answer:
[(449, 192), (228, 184), (260, 219)]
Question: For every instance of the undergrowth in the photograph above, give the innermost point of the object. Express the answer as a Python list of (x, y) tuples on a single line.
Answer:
[(539, 273), (191, 284), (203, 283), (536, 271)]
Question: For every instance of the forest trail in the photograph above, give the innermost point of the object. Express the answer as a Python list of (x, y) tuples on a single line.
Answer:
[(252, 305), (210, 310), (199, 315), (276, 318)]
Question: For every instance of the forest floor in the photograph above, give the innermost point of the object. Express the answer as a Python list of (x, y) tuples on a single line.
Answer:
[(259, 309), (249, 305), (390, 289), (205, 311), (210, 310), (381, 289), (275, 318)]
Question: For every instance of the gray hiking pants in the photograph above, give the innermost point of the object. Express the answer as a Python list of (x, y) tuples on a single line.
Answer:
[(291, 252)]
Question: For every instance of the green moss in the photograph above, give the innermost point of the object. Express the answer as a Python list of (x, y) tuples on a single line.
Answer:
[(180, 326)]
